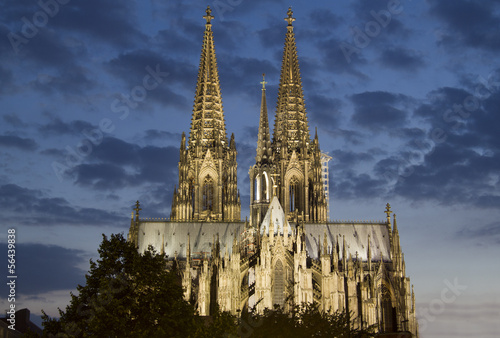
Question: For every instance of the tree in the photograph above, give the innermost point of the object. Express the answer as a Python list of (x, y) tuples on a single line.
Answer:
[(302, 321), (126, 295)]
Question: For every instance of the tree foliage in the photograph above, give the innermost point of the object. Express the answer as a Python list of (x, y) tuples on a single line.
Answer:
[(301, 321), (127, 295)]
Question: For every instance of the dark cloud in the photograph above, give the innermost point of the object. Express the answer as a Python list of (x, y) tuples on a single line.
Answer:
[(45, 49), (151, 135), (324, 111), (352, 137), (384, 13), (132, 68), (379, 110), (487, 233), (57, 153), (38, 208), (468, 147), (348, 184), (325, 18), (44, 268), (56, 126), (342, 57), (14, 121), (468, 23), (6, 78), (71, 80), (113, 23), (12, 141), (400, 58), (115, 164), (345, 159), (235, 68), (272, 36)]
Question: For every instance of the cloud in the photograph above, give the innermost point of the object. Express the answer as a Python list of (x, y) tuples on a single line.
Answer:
[(468, 23), (56, 126), (115, 164), (342, 57), (43, 268), (14, 121), (132, 68), (486, 233), (152, 135), (468, 147), (352, 185), (235, 68), (324, 111), (6, 78), (379, 110), (346, 159), (39, 208), (12, 141), (69, 80), (400, 58), (112, 23)]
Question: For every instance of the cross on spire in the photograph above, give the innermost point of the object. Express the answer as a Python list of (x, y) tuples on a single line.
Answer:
[(209, 15), (290, 17), (263, 83)]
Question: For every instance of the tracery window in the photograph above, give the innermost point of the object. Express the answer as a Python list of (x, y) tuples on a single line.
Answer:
[(279, 284), (208, 193)]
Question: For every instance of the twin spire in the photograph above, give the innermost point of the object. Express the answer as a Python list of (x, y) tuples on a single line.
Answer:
[(290, 126), (208, 127)]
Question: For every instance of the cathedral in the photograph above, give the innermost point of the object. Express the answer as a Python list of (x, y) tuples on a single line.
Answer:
[(288, 252)]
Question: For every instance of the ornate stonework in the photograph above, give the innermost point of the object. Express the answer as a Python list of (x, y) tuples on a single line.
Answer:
[(288, 253), (207, 167)]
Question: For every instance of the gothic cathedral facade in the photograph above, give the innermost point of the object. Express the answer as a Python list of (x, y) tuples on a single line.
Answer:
[(288, 253)]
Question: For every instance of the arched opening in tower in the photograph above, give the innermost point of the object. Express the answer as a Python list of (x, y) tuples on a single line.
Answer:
[(294, 194), (279, 284), (208, 194)]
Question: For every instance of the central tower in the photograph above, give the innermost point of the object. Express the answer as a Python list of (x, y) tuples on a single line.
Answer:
[(207, 167), (289, 166)]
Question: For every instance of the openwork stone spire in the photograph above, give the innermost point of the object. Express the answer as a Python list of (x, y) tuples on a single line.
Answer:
[(263, 139), (207, 167), (290, 126), (207, 124)]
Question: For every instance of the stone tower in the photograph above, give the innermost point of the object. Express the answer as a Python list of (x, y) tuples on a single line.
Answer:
[(207, 167), (293, 163), (260, 172)]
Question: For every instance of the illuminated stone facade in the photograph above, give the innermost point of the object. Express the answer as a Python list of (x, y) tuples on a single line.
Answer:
[(288, 253)]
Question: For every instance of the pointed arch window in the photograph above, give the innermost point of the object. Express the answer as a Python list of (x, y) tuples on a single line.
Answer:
[(279, 284), (294, 194), (265, 186), (208, 193)]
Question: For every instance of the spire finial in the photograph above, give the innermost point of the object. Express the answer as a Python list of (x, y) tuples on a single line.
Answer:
[(290, 17), (209, 15), (263, 83), (388, 212), (137, 209)]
